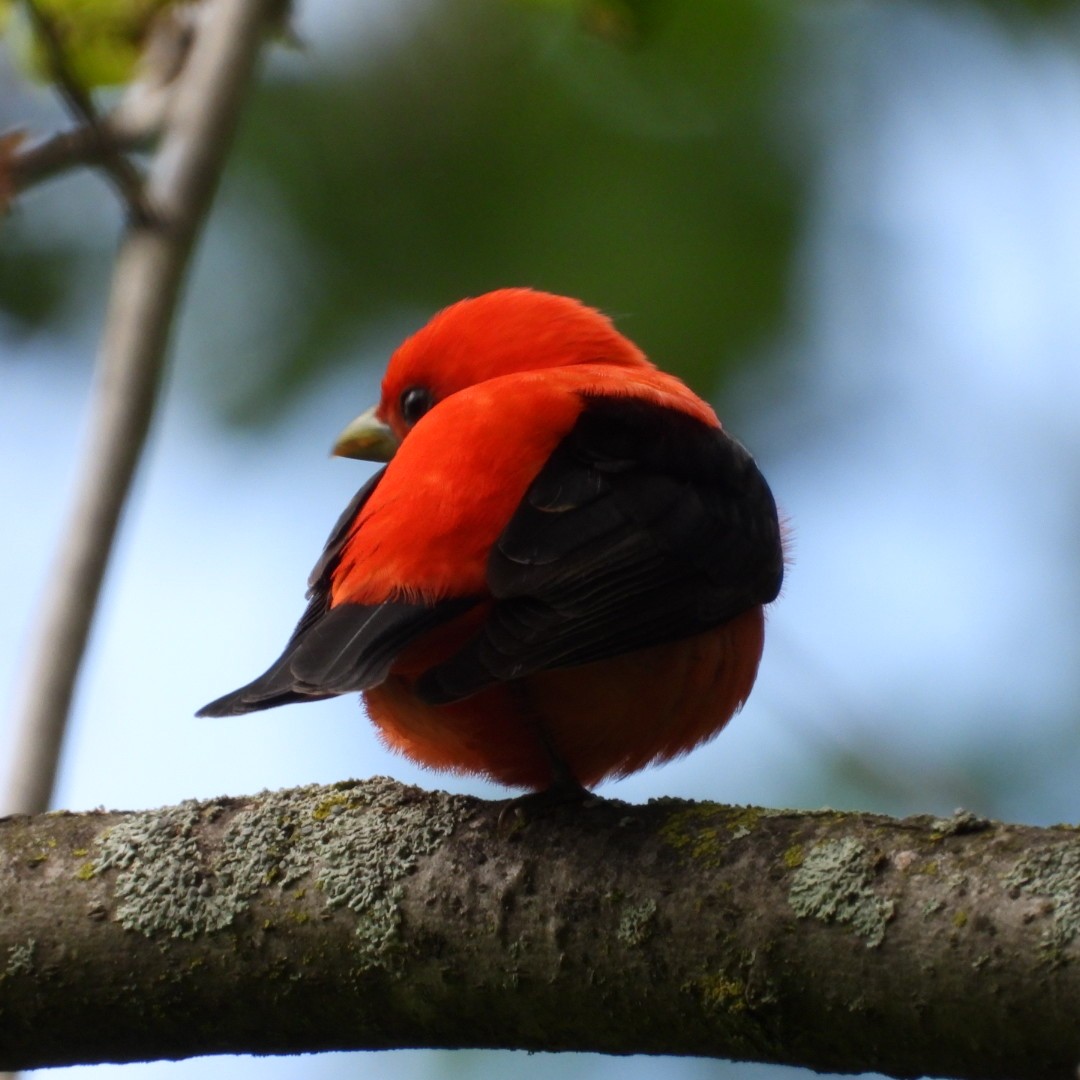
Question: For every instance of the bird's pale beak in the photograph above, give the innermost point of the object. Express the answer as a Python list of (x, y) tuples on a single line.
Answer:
[(366, 438)]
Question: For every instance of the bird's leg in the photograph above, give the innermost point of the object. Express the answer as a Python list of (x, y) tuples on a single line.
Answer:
[(564, 787), (562, 777)]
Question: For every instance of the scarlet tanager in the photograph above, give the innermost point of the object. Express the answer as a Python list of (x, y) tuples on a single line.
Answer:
[(559, 576)]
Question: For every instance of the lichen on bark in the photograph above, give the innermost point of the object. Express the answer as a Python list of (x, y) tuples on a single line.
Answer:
[(176, 876)]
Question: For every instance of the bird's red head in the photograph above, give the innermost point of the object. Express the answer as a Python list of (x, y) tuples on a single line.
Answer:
[(499, 333)]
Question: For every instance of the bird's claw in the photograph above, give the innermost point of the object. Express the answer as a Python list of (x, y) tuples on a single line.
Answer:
[(518, 812)]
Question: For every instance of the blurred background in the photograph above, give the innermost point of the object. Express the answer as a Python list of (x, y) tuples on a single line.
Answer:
[(853, 226)]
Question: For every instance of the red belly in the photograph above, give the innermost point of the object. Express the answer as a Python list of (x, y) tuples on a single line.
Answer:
[(606, 719)]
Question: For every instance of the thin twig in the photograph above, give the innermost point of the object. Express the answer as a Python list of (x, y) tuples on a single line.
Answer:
[(150, 270), (67, 150), (102, 140), (120, 170)]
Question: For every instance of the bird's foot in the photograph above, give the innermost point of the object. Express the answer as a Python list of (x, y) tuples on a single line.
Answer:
[(566, 791)]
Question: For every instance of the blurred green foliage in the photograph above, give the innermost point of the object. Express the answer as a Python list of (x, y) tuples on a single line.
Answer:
[(31, 284), (508, 144), (643, 155), (101, 39), (624, 151)]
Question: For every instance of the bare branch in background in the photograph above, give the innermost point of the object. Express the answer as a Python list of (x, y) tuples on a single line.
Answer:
[(106, 155), (149, 272), (134, 124), (66, 150)]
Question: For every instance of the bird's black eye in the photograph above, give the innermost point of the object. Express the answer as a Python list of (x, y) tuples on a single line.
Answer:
[(415, 401)]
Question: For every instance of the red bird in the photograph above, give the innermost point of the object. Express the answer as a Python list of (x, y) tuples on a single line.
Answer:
[(559, 576)]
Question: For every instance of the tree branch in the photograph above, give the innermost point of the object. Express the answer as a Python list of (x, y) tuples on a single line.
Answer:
[(134, 123), (63, 151), (106, 155), (369, 915), (149, 272)]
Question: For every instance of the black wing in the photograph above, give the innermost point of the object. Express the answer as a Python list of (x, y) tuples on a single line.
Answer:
[(341, 649), (644, 526)]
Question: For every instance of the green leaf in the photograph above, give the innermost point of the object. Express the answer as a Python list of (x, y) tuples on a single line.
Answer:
[(101, 39)]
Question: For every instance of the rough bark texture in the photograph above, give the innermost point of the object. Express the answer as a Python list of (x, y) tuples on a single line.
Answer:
[(370, 915)]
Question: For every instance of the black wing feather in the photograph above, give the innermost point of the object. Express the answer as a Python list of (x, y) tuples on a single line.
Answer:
[(341, 649), (644, 526)]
